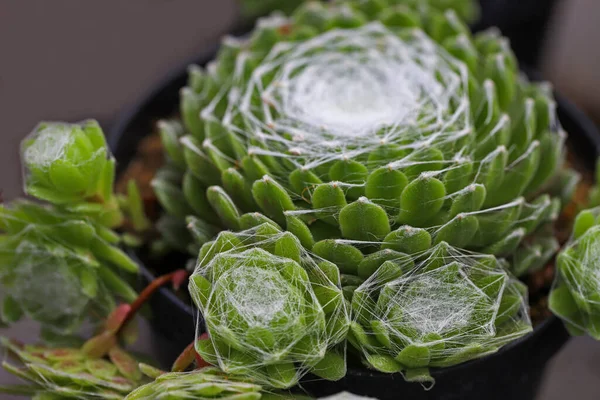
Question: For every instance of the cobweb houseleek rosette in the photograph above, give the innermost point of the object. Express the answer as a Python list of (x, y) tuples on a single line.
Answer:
[(423, 120), (272, 310), (207, 383), (69, 373), (70, 165), (438, 308), (57, 269), (210, 383), (575, 295)]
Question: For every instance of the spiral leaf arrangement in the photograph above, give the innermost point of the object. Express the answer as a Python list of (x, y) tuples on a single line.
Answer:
[(69, 165), (273, 311), (58, 269), (68, 373), (575, 295), (208, 383), (344, 131), (438, 309), (211, 383)]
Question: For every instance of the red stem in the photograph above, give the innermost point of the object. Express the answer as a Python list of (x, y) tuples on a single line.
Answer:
[(200, 362), (176, 277)]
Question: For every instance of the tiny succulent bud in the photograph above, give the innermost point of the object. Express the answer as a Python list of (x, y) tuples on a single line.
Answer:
[(575, 295), (69, 165)]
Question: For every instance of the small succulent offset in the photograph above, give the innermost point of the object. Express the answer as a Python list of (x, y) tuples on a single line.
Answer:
[(69, 373), (207, 383), (273, 311), (210, 383), (69, 165), (335, 128), (59, 269), (439, 308), (575, 296), (61, 261), (534, 254)]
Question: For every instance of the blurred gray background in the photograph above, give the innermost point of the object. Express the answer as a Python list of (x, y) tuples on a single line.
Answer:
[(74, 59)]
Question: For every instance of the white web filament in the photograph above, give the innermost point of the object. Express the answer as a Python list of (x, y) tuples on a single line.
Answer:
[(49, 146), (264, 311), (431, 304), (260, 296), (449, 301), (345, 93)]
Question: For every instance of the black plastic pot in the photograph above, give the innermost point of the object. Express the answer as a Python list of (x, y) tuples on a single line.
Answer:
[(512, 373)]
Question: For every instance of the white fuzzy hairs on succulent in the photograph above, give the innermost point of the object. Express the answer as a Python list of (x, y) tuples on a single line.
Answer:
[(49, 145), (344, 93), (257, 294), (447, 301)]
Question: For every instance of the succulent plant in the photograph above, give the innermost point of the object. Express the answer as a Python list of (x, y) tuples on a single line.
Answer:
[(534, 254), (273, 311), (594, 194), (69, 373), (439, 308), (339, 129), (60, 259), (575, 295), (207, 383), (210, 383), (468, 10), (59, 269), (69, 165), (256, 8)]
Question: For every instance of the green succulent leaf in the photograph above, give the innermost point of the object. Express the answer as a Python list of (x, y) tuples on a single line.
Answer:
[(344, 255), (363, 220), (421, 200)]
